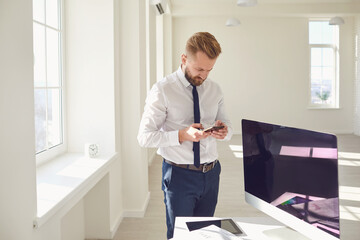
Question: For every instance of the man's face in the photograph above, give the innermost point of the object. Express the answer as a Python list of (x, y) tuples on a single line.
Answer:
[(197, 67)]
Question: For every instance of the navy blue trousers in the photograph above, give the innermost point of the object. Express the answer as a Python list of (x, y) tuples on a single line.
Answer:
[(189, 193)]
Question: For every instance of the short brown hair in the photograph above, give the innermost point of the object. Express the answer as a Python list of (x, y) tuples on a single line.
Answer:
[(205, 42)]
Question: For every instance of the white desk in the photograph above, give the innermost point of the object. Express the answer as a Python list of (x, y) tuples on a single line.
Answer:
[(256, 228)]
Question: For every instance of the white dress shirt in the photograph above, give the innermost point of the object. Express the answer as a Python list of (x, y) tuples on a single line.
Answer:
[(169, 107)]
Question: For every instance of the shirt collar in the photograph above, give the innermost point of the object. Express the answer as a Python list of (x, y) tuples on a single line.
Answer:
[(181, 76)]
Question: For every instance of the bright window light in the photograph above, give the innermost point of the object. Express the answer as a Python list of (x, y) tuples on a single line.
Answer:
[(350, 213), (48, 87), (349, 193), (349, 163), (349, 155), (238, 148), (324, 51)]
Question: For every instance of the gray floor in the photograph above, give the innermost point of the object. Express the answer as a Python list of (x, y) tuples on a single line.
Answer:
[(231, 197)]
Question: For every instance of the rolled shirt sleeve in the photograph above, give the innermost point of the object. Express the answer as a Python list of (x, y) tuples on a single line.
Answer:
[(222, 116), (150, 132)]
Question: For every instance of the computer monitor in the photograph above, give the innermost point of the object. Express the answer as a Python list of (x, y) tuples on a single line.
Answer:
[(291, 174)]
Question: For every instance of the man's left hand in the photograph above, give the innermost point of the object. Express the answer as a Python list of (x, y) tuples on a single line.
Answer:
[(221, 133)]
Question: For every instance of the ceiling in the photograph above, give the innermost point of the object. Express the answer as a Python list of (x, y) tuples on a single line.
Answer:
[(190, 2), (308, 8)]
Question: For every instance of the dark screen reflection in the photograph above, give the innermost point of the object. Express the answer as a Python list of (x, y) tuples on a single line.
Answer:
[(295, 170)]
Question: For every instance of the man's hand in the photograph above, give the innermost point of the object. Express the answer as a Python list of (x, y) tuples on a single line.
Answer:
[(192, 133), (221, 133)]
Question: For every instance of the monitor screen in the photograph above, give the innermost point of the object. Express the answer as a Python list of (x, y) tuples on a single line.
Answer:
[(291, 174)]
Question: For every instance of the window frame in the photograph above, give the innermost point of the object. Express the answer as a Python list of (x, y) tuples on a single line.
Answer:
[(335, 82), (50, 152)]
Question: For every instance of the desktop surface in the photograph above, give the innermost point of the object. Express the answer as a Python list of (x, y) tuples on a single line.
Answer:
[(259, 228)]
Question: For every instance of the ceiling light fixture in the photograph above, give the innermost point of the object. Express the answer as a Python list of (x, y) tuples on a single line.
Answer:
[(336, 21), (232, 22), (246, 3)]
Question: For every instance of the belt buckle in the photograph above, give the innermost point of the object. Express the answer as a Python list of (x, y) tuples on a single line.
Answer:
[(205, 167)]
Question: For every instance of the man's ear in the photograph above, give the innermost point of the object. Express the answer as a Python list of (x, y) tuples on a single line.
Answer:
[(183, 59)]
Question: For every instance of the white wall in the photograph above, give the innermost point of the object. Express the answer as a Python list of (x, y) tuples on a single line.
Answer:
[(90, 74), (264, 70), (357, 77), (98, 98), (17, 141), (73, 224), (96, 211), (90, 94), (105, 70), (52, 229)]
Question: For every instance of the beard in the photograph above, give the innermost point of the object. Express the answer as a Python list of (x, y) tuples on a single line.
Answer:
[(196, 81)]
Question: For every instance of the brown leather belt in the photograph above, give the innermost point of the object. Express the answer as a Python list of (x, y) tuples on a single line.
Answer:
[(202, 168)]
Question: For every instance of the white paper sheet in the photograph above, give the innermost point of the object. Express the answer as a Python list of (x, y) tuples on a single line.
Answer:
[(211, 232)]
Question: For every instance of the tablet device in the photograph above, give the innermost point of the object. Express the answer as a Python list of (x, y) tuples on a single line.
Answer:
[(226, 224)]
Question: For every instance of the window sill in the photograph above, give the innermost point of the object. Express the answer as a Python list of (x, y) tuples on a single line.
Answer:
[(324, 108), (64, 181)]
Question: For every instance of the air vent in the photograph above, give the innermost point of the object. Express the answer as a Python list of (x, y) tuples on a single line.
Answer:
[(159, 8)]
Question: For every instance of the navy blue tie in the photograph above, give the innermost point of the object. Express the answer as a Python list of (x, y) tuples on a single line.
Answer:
[(196, 145)]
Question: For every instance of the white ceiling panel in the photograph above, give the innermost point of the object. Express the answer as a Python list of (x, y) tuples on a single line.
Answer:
[(192, 2)]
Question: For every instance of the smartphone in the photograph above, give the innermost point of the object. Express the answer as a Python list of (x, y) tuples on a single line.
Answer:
[(213, 128)]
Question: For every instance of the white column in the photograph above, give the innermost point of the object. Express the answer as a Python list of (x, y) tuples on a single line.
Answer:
[(132, 97), (17, 134), (168, 67)]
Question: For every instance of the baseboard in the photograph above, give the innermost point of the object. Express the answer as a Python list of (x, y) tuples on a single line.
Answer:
[(138, 213), (116, 225), (119, 219)]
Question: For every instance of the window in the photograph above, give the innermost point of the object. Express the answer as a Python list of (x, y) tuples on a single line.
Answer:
[(48, 72), (324, 67)]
